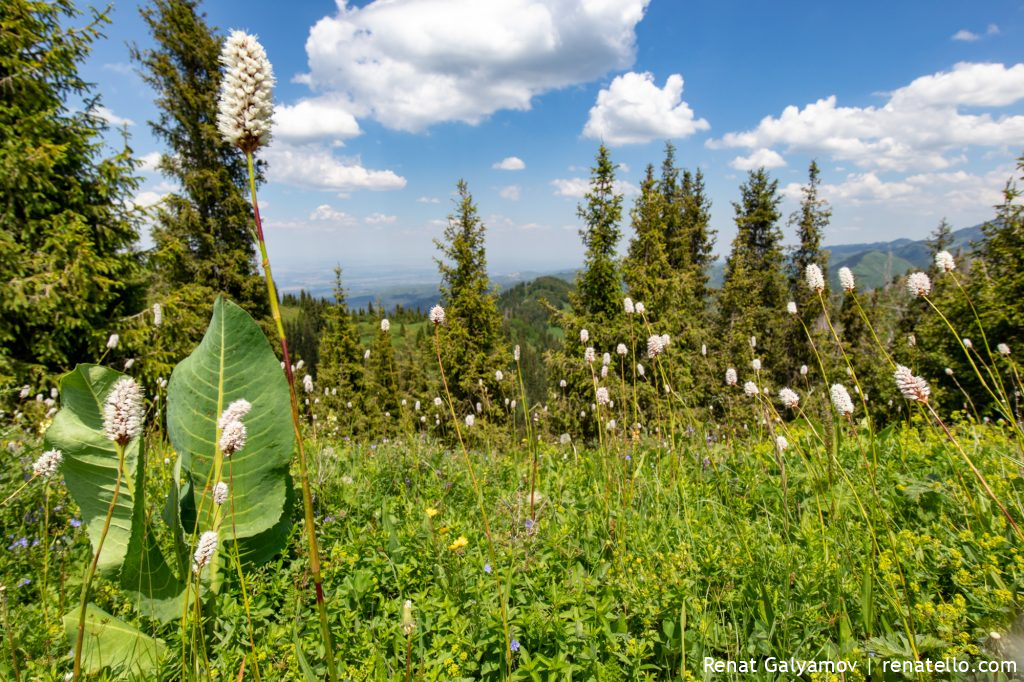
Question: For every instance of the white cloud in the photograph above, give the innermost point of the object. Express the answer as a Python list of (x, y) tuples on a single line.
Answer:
[(325, 213), (110, 117), (318, 119), (148, 198), (380, 219), (510, 192), (762, 158), (920, 127), (428, 200), (314, 167), (149, 161), (965, 36), (578, 187), (412, 63), (992, 30), (634, 110), (510, 163)]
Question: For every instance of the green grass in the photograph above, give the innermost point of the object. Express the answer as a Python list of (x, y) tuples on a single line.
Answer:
[(632, 562)]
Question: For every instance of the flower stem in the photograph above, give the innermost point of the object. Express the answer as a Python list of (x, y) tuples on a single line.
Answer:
[(307, 495)]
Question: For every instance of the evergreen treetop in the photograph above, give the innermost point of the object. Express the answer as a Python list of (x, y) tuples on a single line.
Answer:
[(599, 290)]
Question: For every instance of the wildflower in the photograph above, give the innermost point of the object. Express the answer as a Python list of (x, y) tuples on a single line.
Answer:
[(25, 390), (128, 364), (627, 303), (470, 420), (459, 543), (944, 261), (654, 346), (841, 400), (781, 443), (789, 398), (803, 370), (220, 493), (730, 377), (307, 382), (232, 438), (515, 353), (753, 342), (589, 355), (912, 387), (385, 325), (48, 463), (513, 646), (565, 439), (480, 408), (621, 349), (815, 280), (530, 525), (756, 364), (408, 624), (704, 349), (562, 383), (846, 279), (299, 365), (606, 359), (437, 401), (416, 407), (437, 315), (604, 371), (498, 376), (639, 369), (967, 343), (123, 413), (1003, 349), (234, 412), (602, 396), (918, 284), (610, 426), (949, 371), (487, 568), (911, 340), (431, 512), (750, 389), (666, 341), (791, 307), (246, 104), (640, 308), (584, 336), (205, 550), (513, 404), (366, 355)]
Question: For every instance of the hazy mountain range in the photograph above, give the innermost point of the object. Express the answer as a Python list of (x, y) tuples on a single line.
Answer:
[(873, 264)]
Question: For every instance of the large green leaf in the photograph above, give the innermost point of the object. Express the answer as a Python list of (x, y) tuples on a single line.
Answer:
[(90, 460), (111, 643), (233, 361)]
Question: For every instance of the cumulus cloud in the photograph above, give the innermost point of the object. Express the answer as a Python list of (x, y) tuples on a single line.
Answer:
[(966, 36), (634, 110), (110, 117), (920, 128), (510, 163), (314, 167), (326, 213), (149, 161), (578, 187), (412, 63), (380, 219), (428, 200), (317, 119), (510, 192), (762, 158)]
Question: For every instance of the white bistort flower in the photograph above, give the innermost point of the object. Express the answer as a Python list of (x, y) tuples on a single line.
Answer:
[(562, 383), (48, 463), (791, 307), (499, 375), (470, 420), (515, 353), (803, 370), (604, 371), (750, 388), (640, 308), (437, 315), (815, 280), (730, 377), (781, 443), (584, 336), (621, 349), (704, 349), (627, 303), (919, 284), (205, 550), (846, 279), (912, 387), (158, 314), (246, 106), (220, 493), (1003, 349), (944, 261), (234, 412), (123, 411), (911, 340), (639, 369), (385, 325), (112, 341), (789, 398), (655, 345), (841, 400), (590, 355), (968, 343), (602, 396), (307, 383), (755, 364), (232, 437)]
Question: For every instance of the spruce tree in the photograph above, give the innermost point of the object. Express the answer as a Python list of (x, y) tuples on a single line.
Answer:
[(700, 238), (941, 238), (598, 286), (203, 241), (646, 268), (753, 298), (67, 261), (340, 369), (471, 335)]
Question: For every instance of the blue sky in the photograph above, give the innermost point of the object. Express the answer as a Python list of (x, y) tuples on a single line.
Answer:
[(914, 111)]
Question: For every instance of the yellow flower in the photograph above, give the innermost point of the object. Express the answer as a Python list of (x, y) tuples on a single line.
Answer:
[(442, 530), (459, 543), (431, 512)]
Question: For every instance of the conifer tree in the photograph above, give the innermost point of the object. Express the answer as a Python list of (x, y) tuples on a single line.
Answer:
[(941, 238), (473, 326), (67, 260), (203, 242), (598, 286), (340, 367), (696, 220), (384, 373), (646, 268), (677, 247), (753, 298)]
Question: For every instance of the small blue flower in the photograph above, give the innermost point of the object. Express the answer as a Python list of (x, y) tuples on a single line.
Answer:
[(75, 523), (20, 543), (629, 458), (26, 581), (487, 568), (514, 646), (530, 524)]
